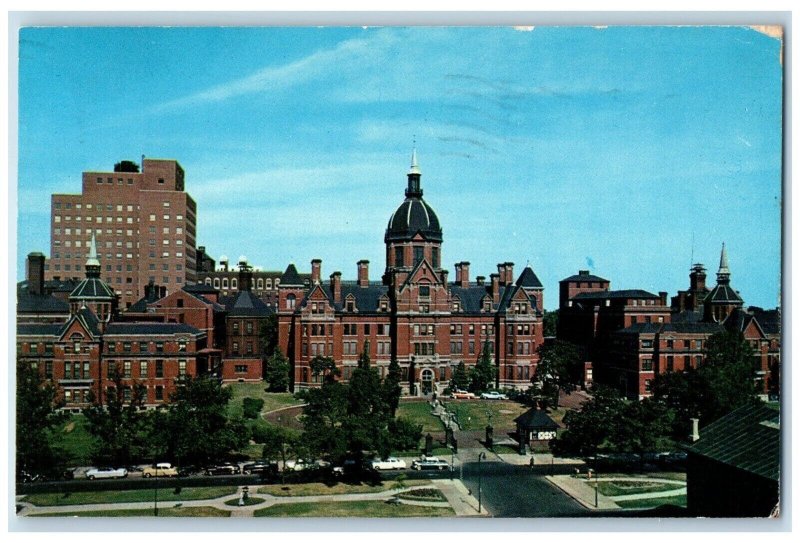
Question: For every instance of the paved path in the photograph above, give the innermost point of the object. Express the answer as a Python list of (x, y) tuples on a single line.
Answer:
[(579, 489), (457, 497)]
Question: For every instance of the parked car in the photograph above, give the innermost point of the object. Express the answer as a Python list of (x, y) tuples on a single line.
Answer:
[(222, 469), (493, 395), (161, 469), (106, 473), (260, 467), (301, 464), (462, 395), (429, 463), (675, 458), (389, 463)]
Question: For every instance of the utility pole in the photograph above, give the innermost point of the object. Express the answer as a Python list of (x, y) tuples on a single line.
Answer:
[(481, 456)]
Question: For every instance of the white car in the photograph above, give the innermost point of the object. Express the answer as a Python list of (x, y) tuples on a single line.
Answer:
[(493, 395), (389, 463), (300, 465), (106, 473)]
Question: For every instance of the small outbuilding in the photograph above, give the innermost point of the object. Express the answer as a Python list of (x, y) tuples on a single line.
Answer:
[(535, 425)]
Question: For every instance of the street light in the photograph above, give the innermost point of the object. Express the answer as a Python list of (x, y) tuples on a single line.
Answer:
[(481, 456)]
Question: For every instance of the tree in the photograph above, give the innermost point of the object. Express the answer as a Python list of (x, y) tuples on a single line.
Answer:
[(279, 443), (195, 429), (484, 372), (588, 429), (268, 335), (558, 369), (128, 166), (325, 366), (460, 379), (405, 434), (391, 387), (117, 425), (550, 323), (276, 372), (640, 426), (37, 419)]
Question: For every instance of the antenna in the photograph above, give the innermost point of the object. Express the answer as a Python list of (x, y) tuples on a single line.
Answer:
[(692, 262)]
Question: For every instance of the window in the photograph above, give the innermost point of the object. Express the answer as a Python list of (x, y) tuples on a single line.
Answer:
[(143, 369), (670, 363), (398, 257), (249, 327), (181, 367), (235, 347), (159, 368), (647, 364), (240, 368), (159, 392), (425, 291), (126, 366), (350, 306), (418, 255)]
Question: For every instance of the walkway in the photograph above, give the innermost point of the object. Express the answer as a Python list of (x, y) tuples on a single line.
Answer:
[(456, 494), (584, 493)]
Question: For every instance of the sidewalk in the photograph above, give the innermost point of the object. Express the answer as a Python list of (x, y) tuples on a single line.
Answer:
[(456, 494), (540, 459), (581, 492)]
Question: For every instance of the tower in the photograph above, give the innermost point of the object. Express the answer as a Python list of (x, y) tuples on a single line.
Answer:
[(722, 300), (94, 293)]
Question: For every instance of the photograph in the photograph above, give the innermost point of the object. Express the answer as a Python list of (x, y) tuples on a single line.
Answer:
[(397, 272)]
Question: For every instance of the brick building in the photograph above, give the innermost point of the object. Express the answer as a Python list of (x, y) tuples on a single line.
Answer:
[(145, 224), (82, 352), (414, 314)]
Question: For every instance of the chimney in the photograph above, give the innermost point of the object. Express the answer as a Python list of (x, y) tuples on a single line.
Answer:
[(336, 287), (501, 272), (663, 296), (495, 277), (481, 280), (245, 277), (462, 274), (363, 273), (35, 273), (697, 279), (150, 291), (509, 273), (223, 263), (695, 435), (316, 271), (444, 273)]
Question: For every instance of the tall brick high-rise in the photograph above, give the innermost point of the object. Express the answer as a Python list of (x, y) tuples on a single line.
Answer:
[(144, 222)]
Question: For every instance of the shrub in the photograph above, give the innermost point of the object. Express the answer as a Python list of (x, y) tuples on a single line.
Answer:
[(252, 407)]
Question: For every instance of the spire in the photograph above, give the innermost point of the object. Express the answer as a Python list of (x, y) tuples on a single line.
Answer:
[(414, 190), (92, 263), (414, 165), (724, 274)]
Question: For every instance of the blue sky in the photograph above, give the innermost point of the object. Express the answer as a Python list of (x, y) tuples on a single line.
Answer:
[(609, 149)]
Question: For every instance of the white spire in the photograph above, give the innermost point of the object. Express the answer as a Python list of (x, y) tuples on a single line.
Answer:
[(92, 260), (414, 167), (723, 261)]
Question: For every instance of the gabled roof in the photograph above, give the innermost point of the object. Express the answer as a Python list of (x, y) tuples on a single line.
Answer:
[(367, 298), (769, 319), (291, 277), (470, 296), (528, 279), (141, 305), (587, 277), (508, 293), (614, 295), (246, 304), (749, 439), (86, 319), (536, 419)]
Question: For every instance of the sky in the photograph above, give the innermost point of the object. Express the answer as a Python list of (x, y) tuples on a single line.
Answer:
[(628, 151)]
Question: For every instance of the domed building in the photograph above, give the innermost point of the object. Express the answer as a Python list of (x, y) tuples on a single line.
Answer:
[(414, 314)]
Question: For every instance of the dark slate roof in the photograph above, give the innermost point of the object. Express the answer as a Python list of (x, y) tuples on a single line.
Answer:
[(141, 305), (200, 288), (246, 304), (150, 328), (40, 303), (367, 298), (614, 294), (291, 277), (39, 329), (470, 296), (414, 215), (642, 328), (749, 439), (769, 319), (687, 316), (536, 418), (707, 328), (528, 279), (507, 293), (93, 288), (723, 294), (215, 306), (66, 285), (587, 277)]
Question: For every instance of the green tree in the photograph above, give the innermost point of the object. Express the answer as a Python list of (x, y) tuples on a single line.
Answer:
[(550, 323), (460, 379), (118, 426), (279, 443), (558, 369), (323, 417), (268, 335), (484, 372), (404, 434), (641, 426), (325, 366), (276, 372), (588, 430), (196, 429), (38, 418), (391, 387)]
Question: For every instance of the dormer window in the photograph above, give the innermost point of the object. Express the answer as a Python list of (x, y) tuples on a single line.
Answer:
[(456, 307), (350, 306)]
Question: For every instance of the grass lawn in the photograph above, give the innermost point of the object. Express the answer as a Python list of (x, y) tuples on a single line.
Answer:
[(419, 412), (652, 503), (272, 400), (423, 494), (473, 415), (170, 512), (672, 475), (249, 501), (626, 488), (130, 496), (353, 509), (321, 489), (76, 440)]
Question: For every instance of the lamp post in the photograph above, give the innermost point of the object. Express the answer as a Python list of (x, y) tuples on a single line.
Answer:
[(452, 462), (155, 493), (481, 456)]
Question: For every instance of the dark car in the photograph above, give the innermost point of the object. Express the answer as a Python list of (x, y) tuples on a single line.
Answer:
[(222, 469), (260, 467)]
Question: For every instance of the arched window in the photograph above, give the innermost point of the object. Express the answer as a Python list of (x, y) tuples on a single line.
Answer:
[(224, 282), (208, 281), (234, 282), (260, 284), (216, 282)]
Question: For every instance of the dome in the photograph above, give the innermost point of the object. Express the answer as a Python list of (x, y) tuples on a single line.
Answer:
[(414, 215)]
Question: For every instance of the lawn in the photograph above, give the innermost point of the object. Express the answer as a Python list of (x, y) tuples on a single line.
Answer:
[(129, 496), (76, 440), (272, 400), (169, 512), (371, 509), (474, 415), (321, 489), (626, 488), (652, 503), (423, 494), (419, 412), (249, 501)]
